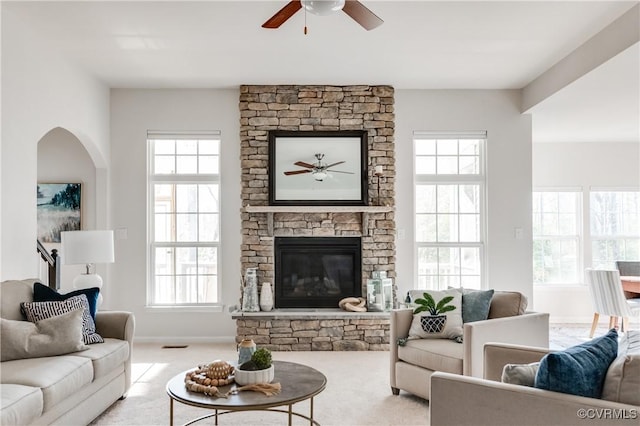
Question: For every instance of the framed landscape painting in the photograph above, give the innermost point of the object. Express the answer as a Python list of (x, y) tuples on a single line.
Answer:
[(59, 209)]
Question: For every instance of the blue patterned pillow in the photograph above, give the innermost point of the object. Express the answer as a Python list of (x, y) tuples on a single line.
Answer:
[(42, 293), (37, 311), (579, 370)]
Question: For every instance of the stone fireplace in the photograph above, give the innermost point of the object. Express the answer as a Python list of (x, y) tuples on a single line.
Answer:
[(317, 108)]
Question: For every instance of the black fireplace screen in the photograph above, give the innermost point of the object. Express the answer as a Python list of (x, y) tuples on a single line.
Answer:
[(316, 272)]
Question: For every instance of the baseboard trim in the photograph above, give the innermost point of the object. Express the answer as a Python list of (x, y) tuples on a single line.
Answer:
[(172, 340)]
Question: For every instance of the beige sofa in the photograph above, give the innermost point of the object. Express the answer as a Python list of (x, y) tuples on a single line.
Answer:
[(492, 403), (413, 365), (70, 389)]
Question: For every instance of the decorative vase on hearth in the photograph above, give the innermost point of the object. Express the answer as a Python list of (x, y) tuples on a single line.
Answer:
[(266, 297), (250, 291)]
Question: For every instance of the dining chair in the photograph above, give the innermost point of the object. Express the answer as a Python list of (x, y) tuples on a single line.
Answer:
[(628, 267), (608, 299)]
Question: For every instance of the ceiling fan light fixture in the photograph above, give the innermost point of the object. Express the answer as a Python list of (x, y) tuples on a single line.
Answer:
[(320, 176), (323, 7)]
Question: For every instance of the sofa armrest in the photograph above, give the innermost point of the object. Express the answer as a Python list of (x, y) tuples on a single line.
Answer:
[(400, 323), (494, 403), (115, 324), (118, 325), (530, 329), (497, 355)]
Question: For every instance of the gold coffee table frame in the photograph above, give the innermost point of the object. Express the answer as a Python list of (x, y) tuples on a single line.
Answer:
[(299, 383)]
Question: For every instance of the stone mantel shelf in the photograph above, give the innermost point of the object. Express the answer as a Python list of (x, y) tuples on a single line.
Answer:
[(309, 314), (365, 210)]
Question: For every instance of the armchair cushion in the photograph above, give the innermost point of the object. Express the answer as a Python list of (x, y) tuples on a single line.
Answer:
[(520, 374), (507, 304), (437, 355), (581, 369)]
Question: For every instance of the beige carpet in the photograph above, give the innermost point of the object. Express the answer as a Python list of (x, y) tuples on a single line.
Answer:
[(357, 391)]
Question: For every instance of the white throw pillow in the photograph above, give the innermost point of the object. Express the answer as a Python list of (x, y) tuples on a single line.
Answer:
[(453, 324), (622, 382), (57, 335), (520, 374)]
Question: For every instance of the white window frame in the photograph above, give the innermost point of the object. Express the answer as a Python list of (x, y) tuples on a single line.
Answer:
[(593, 238), (578, 238), (451, 179), (153, 179)]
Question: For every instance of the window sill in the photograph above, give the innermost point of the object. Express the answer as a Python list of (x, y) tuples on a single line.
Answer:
[(180, 308)]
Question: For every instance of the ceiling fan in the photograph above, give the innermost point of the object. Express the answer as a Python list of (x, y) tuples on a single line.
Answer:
[(319, 168), (356, 10)]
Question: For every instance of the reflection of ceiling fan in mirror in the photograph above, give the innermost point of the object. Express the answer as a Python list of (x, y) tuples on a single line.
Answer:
[(319, 169), (356, 10)]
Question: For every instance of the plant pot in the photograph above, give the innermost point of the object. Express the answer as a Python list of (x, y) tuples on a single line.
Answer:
[(245, 377), (433, 323)]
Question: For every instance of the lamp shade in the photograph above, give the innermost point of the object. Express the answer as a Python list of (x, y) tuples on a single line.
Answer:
[(84, 247), (323, 7)]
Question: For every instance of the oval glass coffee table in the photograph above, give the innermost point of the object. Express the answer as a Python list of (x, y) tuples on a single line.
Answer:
[(299, 383)]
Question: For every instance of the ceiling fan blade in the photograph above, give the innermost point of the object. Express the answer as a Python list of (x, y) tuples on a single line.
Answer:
[(362, 15), (334, 164), (303, 164), (338, 171), (283, 14), (296, 172)]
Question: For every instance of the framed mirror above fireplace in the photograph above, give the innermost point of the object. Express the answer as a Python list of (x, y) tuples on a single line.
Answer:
[(318, 168), (316, 272)]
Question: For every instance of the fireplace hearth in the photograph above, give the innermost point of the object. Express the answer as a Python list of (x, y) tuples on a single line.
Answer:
[(316, 272)]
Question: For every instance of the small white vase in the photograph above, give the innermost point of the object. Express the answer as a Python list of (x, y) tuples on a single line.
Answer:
[(266, 297)]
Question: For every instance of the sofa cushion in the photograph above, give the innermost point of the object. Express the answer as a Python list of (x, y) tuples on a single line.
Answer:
[(58, 377), (12, 293), (37, 311), (507, 304), (42, 293), (57, 335), (453, 325), (622, 382), (433, 354), (579, 370), (106, 357), (19, 405)]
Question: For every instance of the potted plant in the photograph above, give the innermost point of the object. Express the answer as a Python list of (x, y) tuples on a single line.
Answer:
[(258, 369), (435, 321)]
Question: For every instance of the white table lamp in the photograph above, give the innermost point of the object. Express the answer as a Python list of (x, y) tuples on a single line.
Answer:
[(88, 248)]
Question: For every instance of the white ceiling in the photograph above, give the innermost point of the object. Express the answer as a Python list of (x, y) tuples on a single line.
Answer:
[(421, 45)]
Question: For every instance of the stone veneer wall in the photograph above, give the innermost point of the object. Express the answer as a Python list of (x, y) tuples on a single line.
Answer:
[(303, 108)]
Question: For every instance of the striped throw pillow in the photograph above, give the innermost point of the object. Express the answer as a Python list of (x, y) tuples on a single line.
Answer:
[(37, 311)]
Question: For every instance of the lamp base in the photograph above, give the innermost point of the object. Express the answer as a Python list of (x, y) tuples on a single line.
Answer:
[(87, 281)]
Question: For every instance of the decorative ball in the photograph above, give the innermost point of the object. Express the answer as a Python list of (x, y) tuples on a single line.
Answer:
[(218, 369)]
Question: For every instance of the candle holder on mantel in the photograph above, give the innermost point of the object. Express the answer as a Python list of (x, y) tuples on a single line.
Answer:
[(377, 172)]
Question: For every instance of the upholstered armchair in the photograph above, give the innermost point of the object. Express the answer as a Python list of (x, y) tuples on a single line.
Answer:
[(412, 365)]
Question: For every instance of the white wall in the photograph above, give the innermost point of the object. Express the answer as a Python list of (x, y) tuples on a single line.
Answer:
[(40, 92), (580, 165), (509, 263), (133, 112)]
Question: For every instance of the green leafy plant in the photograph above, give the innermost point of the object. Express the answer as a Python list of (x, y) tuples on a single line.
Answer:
[(260, 360), (428, 304)]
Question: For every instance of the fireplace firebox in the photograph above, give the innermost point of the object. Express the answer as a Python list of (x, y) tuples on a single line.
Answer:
[(316, 272)]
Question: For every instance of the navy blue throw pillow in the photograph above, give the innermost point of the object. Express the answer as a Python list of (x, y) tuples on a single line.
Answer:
[(42, 293), (579, 370)]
